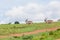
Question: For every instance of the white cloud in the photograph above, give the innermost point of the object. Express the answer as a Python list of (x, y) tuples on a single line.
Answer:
[(31, 11), (2, 22), (15, 11), (55, 4), (35, 11)]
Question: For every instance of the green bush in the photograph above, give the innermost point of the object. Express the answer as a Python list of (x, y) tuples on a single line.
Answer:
[(51, 33), (27, 37), (16, 37), (16, 22), (58, 29)]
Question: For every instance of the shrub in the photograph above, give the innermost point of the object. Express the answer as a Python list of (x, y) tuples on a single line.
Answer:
[(16, 22), (42, 38), (58, 29), (9, 23), (51, 33), (27, 37), (16, 37)]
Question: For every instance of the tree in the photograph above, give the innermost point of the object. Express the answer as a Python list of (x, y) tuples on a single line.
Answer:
[(9, 23), (59, 20), (16, 22)]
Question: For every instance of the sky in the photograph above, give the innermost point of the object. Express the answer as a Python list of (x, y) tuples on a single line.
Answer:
[(35, 10)]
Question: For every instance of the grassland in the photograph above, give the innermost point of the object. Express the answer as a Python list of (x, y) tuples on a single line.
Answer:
[(6, 29), (52, 35)]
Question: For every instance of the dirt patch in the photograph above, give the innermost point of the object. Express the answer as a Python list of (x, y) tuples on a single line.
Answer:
[(33, 32), (57, 39)]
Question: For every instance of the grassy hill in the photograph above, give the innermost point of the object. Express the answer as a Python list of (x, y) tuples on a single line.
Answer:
[(52, 35), (6, 29)]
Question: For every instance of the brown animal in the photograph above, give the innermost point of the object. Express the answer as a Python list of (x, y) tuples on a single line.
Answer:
[(28, 22), (49, 21)]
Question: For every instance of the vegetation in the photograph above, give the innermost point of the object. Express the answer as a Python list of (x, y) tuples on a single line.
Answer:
[(16, 22), (6, 29), (40, 36)]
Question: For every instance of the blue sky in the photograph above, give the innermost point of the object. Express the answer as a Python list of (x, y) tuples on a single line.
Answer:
[(35, 10)]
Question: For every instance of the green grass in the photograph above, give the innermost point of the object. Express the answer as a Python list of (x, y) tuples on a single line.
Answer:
[(52, 35), (6, 29)]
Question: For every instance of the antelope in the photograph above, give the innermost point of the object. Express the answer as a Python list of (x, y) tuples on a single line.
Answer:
[(28, 22), (48, 21)]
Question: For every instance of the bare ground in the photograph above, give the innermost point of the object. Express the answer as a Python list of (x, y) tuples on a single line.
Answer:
[(57, 39)]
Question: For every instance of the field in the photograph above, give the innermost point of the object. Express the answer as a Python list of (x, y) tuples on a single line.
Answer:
[(6, 29), (52, 35)]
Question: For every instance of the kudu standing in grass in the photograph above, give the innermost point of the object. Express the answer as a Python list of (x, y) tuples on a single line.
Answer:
[(28, 22), (48, 21)]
